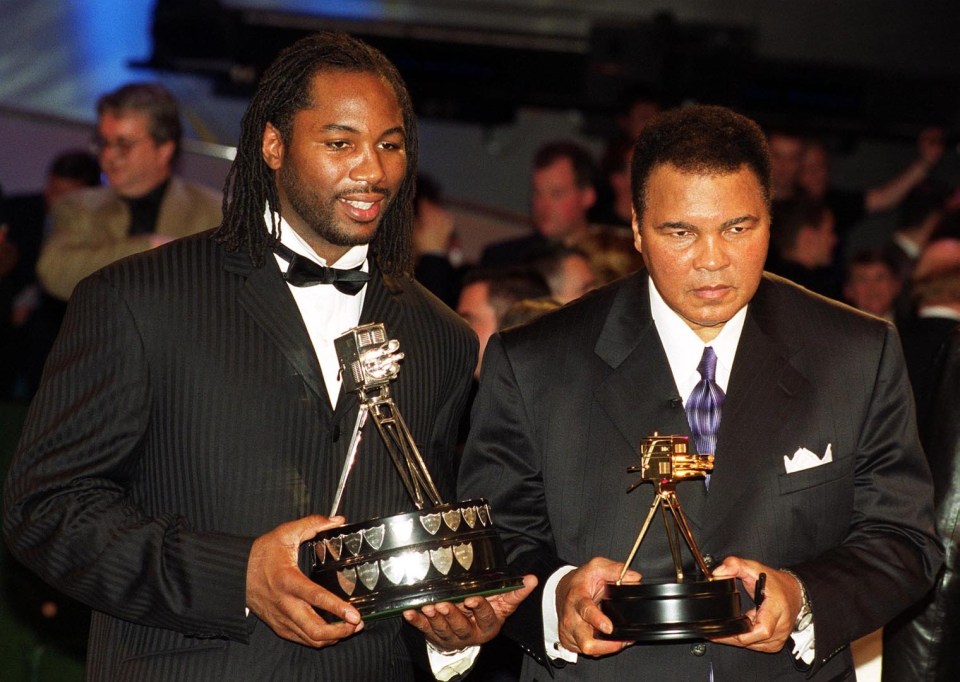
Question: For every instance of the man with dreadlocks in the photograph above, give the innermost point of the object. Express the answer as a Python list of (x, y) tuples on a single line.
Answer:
[(191, 422)]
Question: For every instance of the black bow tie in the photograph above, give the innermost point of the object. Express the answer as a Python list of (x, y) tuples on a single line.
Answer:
[(303, 272)]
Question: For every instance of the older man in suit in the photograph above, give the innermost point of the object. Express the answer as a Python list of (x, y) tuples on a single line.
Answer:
[(191, 424), (143, 205), (819, 479)]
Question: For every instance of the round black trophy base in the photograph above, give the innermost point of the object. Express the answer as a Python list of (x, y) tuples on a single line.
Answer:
[(386, 565), (670, 611)]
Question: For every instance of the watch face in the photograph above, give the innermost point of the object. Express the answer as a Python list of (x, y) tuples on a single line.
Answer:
[(804, 618)]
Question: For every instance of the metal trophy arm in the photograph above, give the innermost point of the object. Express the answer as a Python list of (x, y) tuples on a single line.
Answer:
[(368, 363)]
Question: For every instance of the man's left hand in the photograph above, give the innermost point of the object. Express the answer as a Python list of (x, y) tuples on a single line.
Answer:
[(475, 621), (773, 621)]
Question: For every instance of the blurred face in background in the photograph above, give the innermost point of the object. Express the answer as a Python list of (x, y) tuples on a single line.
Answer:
[(558, 205), (872, 288), (133, 163)]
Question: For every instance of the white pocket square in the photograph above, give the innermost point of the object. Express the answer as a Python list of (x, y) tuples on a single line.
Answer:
[(804, 459)]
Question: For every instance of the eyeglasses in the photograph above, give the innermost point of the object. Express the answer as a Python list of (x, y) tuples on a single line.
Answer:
[(121, 145)]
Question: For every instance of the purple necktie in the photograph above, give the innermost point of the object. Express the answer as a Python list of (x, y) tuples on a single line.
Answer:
[(704, 405)]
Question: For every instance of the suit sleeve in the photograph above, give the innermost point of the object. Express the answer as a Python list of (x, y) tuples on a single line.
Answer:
[(501, 462), (68, 509), (891, 554)]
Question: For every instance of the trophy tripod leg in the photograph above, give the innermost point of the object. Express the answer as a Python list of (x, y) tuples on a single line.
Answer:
[(657, 501), (390, 441), (673, 538), (684, 526), (351, 457)]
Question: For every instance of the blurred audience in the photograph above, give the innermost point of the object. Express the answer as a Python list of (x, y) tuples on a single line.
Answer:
[(611, 251), (567, 271), (137, 142), (871, 284), (439, 262), (921, 643), (563, 190), (936, 290), (527, 310), (29, 318), (786, 153), (851, 206), (487, 294), (802, 240)]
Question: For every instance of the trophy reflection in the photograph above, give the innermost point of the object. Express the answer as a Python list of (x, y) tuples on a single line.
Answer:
[(687, 608), (439, 552)]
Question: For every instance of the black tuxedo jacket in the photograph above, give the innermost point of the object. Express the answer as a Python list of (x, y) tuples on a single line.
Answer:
[(183, 414), (564, 402)]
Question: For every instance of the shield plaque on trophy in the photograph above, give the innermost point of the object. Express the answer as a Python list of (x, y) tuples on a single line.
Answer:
[(684, 607), (439, 551)]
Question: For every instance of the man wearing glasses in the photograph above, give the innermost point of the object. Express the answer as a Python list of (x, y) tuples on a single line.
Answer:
[(143, 205)]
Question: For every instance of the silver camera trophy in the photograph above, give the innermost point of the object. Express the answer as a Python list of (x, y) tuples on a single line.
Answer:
[(683, 608), (440, 551)]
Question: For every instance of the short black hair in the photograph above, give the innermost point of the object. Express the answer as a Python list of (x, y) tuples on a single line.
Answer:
[(702, 139), (78, 165)]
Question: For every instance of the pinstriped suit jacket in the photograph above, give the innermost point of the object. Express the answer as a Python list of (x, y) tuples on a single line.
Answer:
[(182, 414), (564, 402)]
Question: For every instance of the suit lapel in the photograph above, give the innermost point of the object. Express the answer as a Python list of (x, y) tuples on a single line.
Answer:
[(269, 303), (762, 395), (637, 394)]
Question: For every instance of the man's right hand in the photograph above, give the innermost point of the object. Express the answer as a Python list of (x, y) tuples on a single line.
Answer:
[(580, 618), (284, 598)]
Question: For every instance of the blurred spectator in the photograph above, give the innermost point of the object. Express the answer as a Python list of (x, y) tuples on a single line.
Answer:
[(918, 216), (637, 106), (614, 199), (611, 251), (802, 240), (526, 310), (851, 206), (871, 284), (145, 205), (30, 319), (487, 294), (567, 272), (439, 261), (786, 153), (563, 190), (921, 643), (936, 289)]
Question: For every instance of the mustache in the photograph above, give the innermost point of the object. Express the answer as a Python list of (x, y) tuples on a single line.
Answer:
[(364, 189)]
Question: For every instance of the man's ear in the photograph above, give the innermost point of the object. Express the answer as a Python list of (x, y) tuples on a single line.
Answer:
[(271, 147), (635, 226)]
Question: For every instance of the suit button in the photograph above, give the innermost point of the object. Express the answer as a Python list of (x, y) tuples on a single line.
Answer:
[(699, 649)]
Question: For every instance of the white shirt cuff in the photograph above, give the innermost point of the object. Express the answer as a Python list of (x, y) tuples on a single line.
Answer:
[(803, 644), (446, 665), (551, 619)]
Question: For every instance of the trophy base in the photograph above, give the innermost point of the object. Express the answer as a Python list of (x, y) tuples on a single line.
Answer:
[(386, 565), (669, 611)]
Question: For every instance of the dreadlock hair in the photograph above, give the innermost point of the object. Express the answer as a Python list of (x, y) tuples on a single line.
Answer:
[(284, 89)]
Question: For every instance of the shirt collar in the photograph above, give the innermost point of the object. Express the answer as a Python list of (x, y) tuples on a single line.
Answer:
[(684, 348)]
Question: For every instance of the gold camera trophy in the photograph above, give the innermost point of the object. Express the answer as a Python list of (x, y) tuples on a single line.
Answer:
[(440, 551), (686, 608)]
